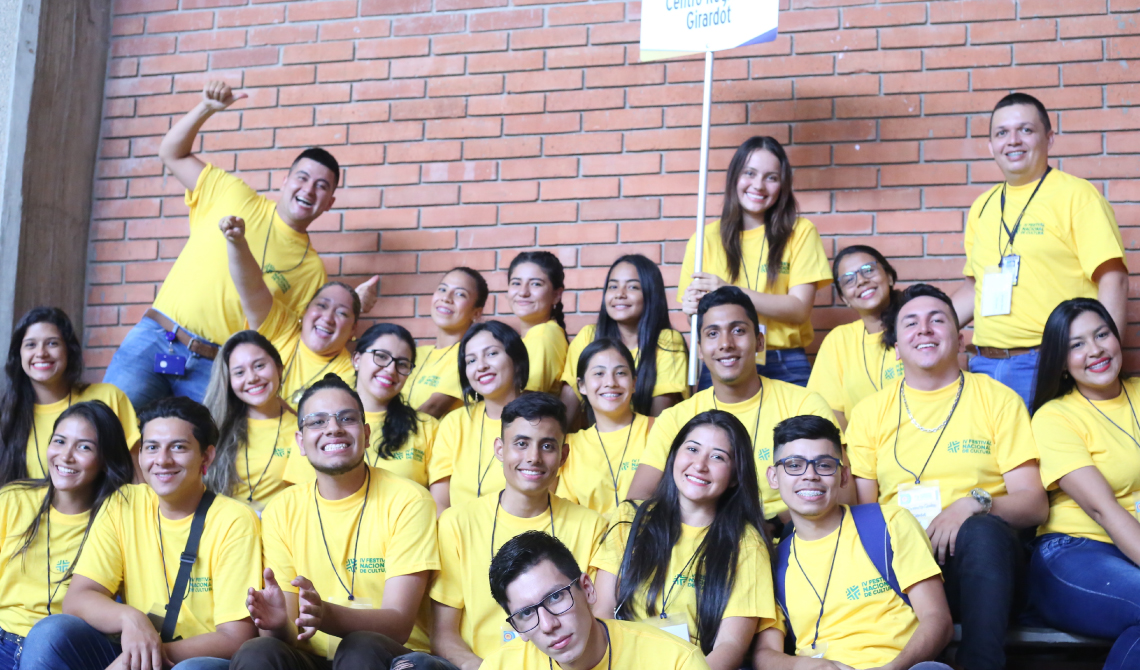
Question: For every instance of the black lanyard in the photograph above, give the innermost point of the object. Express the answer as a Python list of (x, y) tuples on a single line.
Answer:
[(480, 471), (289, 368), (882, 363), (609, 648), (495, 524), (1016, 226), (953, 408), (351, 588), (52, 592), (759, 264), (842, 513), (420, 368), (249, 480), (1134, 419), (613, 477), (265, 250), (36, 437), (665, 598), (760, 406)]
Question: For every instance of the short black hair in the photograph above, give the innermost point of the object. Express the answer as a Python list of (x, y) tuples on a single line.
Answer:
[(523, 552), (1023, 99), (178, 407), (330, 381), (535, 406), (806, 427), (891, 313), (726, 295), (319, 155), (513, 345)]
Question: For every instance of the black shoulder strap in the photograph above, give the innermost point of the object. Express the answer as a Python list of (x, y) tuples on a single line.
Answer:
[(189, 556)]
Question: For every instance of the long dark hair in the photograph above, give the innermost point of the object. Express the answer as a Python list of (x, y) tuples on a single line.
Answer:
[(593, 349), (657, 528), (1053, 378), (116, 468), (888, 269), (230, 413), (400, 420), (17, 406), (779, 219), (552, 267), (512, 344), (654, 319)]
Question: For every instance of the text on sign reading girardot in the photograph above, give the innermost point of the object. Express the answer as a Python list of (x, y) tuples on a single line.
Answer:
[(715, 16)]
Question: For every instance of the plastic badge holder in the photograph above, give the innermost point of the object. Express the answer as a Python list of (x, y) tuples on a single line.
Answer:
[(677, 624), (923, 500), (820, 651), (997, 292)]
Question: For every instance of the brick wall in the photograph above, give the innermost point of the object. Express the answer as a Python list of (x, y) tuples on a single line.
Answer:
[(472, 128)]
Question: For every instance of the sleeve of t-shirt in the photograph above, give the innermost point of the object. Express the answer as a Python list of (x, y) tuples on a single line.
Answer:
[(577, 346), (814, 403), (413, 547), (1095, 232), (1013, 432), (275, 544), (447, 439), (238, 567), (122, 407), (1063, 445), (609, 555), (971, 223), (447, 588), (281, 326), (672, 364), (693, 660), (660, 438), (827, 375), (102, 557), (752, 593), (807, 261), (861, 444), (914, 558), (688, 264), (214, 184)]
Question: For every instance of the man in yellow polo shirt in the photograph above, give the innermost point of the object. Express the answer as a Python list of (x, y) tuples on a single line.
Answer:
[(347, 555), (1040, 237), (956, 449), (134, 549), (729, 332), (546, 597), (862, 621)]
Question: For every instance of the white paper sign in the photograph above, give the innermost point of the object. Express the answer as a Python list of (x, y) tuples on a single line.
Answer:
[(706, 25)]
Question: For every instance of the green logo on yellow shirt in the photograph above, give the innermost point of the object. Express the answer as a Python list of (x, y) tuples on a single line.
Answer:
[(1032, 229), (430, 380), (685, 580), (629, 465), (868, 588), (201, 585), (278, 278), (890, 374), (784, 268), (62, 565), (367, 566), (763, 455), (416, 455), (983, 447), (282, 452)]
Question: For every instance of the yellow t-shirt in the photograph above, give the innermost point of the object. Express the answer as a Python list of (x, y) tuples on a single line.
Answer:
[(804, 262), (1071, 434), (469, 536), (24, 585), (988, 436), (586, 479), (672, 361), (546, 347), (780, 401), (851, 365), (464, 450), (437, 371), (45, 416), (396, 537), (124, 550), (410, 462), (864, 625), (198, 292), (752, 594), (303, 366), (632, 645), (1067, 232), (261, 466)]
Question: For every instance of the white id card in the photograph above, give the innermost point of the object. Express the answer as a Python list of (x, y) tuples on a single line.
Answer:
[(1011, 265), (997, 292), (820, 651), (923, 500), (357, 604), (677, 624)]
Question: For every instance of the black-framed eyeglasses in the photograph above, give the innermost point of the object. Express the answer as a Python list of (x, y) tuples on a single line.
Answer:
[(383, 359), (559, 602), (825, 466), (318, 420), (847, 279)]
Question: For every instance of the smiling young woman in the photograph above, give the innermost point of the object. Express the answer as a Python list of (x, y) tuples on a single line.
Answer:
[(535, 281)]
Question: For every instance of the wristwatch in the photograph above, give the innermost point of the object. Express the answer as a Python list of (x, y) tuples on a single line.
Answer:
[(984, 499)]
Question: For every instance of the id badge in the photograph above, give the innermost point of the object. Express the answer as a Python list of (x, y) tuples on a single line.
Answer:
[(507, 634), (923, 500), (357, 604), (677, 624), (169, 364), (820, 651), (1011, 265), (997, 292)]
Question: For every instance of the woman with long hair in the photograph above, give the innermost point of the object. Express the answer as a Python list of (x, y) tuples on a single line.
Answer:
[(852, 362), (44, 522), (1083, 575), (45, 373), (256, 427), (759, 222), (535, 281), (493, 368), (696, 553), (605, 454), (635, 311), (458, 302)]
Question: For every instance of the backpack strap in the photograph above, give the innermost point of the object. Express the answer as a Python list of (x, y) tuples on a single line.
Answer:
[(783, 551), (876, 539), (186, 563)]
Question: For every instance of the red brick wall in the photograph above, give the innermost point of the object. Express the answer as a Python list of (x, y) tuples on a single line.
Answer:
[(473, 128)]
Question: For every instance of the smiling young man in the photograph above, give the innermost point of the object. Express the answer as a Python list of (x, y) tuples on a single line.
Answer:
[(864, 622), (729, 332), (468, 625), (536, 581), (1040, 237), (347, 556), (957, 450), (134, 549)]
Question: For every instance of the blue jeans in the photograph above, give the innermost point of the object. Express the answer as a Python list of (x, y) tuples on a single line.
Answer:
[(1019, 372), (132, 367), (65, 642), (10, 652), (787, 365), (1089, 588), (418, 660)]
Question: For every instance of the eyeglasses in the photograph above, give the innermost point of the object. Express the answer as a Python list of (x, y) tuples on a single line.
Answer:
[(825, 466), (318, 420), (559, 602), (847, 279), (383, 359)]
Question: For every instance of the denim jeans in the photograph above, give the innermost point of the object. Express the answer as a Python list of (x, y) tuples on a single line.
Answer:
[(359, 650), (1019, 372), (787, 365), (421, 661), (1089, 588), (10, 652), (132, 367), (65, 642)]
